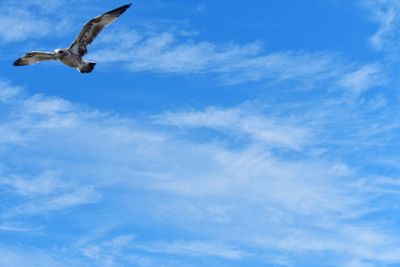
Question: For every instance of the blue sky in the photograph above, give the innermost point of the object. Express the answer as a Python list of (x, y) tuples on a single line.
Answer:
[(211, 133)]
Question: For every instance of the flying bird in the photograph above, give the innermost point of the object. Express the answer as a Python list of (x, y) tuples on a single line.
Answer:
[(73, 55)]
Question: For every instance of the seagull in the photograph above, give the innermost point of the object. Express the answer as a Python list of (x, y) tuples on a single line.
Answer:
[(72, 56)]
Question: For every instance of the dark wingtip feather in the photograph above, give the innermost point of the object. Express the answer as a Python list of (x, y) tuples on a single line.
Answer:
[(119, 10), (19, 62), (126, 6)]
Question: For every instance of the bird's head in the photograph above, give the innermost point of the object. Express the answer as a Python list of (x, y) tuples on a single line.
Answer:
[(59, 52)]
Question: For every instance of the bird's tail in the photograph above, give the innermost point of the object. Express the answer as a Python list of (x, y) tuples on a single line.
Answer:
[(87, 67)]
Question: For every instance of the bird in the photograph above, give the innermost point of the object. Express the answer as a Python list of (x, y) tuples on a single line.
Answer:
[(73, 55)]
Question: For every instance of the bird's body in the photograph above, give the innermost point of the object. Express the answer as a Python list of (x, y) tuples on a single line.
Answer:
[(70, 59), (73, 55)]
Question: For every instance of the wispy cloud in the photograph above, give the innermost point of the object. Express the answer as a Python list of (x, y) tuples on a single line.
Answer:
[(386, 14), (363, 79), (20, 257), (13, 229), (8, 92), (44, 194), (46, 205), (196, 249), (106, 252), (46, 183), (234, 63), (27, 26), (240, 122), (19, 22), (37, 19), (258, 174)]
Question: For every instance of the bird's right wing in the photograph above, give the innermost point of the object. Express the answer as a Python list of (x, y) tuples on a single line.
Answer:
[(91, 29), (34, 57)]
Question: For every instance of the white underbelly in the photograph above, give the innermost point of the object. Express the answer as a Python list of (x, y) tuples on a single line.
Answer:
[(71, 61)]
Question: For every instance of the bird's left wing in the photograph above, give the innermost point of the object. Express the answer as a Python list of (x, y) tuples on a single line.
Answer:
[(34, 57), (91, 29)]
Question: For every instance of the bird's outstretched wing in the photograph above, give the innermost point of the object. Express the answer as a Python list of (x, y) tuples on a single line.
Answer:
[(34, 57), (91, 29)]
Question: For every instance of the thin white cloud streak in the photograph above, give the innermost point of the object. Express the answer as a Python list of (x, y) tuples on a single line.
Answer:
[(4, 228), (243, 122), (368, 246), (20, 257), (363, 79), (44, 194), (65, 201), (45, 184), (386, 14), (106, 253), (195, 249)]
